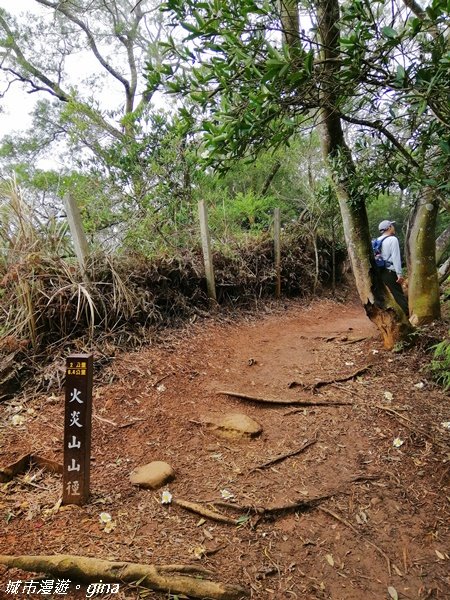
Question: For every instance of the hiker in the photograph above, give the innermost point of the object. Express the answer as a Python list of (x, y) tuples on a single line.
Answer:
[(391, 274)]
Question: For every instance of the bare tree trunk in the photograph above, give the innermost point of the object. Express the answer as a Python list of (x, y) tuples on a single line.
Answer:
[(423, 285), (333, 256), (290, 22), (442, 243), (273, 171), (316, 260), (444, 271), (378, 302)]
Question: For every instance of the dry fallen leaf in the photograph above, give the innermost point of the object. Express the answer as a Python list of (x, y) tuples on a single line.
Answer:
[(330, 559), (199, 552), (18, 420), (226, 494), (440, 555), (392, 592)]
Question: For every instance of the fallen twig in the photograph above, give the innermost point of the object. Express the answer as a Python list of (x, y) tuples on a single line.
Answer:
[(81, 568), (283, 456), (353, 340), (103, 420), (158, 381), (281, 400), (353, 528), (130, 423), (413, 427), (317, 384)]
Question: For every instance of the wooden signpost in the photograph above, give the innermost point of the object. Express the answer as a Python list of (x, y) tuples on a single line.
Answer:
[(77, 429), (207, 254), (76, 228), (277, 250)]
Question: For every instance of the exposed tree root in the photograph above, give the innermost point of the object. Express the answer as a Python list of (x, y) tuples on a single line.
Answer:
[(281, 400), (91, 570), (298, 505), (317, 384), (283, 456), (204, 512), (25, 462), (261, 511)]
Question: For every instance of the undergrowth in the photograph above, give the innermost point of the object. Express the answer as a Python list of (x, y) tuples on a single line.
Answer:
[(440, 363), (46, 300), (49, 305)]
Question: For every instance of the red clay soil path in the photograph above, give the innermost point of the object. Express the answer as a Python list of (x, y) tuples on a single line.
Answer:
[(382, 533)]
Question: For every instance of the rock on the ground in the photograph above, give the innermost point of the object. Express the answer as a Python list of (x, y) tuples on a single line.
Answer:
[(153, 475), (233, 425)]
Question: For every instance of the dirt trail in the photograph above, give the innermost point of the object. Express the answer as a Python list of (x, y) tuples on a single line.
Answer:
[(385, 524)]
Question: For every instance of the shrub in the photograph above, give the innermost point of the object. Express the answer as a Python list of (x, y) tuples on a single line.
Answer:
[(440, 364)]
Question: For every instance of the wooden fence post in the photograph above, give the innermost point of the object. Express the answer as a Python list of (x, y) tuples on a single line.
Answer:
[(277, 249), (76, 229), (206, 246)]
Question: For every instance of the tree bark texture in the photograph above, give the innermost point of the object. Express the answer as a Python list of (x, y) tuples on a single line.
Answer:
[(442, 243), (423, 284), (290, 22), (378, 302), (159, 578)]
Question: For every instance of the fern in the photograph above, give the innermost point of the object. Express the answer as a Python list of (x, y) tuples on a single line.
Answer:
[(440, 363)]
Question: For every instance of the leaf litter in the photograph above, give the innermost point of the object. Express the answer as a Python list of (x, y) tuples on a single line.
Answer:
[(382, 520)]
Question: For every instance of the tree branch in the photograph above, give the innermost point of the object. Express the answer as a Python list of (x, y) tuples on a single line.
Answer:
[(52, 87), (60, 7), (378, 126), (270, 177)]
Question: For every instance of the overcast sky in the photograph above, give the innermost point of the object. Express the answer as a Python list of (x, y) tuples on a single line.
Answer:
[(17, 105)]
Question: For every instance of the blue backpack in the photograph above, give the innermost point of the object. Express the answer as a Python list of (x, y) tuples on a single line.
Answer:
[(376, 247)]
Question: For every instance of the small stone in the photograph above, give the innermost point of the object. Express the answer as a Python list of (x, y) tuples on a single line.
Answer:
[(233, 425), (153, 475)]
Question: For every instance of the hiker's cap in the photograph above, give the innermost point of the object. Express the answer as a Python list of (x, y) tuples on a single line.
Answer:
[(385, 225)]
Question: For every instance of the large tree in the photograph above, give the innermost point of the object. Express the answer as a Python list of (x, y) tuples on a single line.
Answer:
[(100, 122), (264, 70)]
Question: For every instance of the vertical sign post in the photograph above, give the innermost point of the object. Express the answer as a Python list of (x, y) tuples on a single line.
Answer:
[(76, 229), (277, 249), (207, 255), (77, 429)]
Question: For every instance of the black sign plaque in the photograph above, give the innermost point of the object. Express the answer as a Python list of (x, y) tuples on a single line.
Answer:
[(77, 429)]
